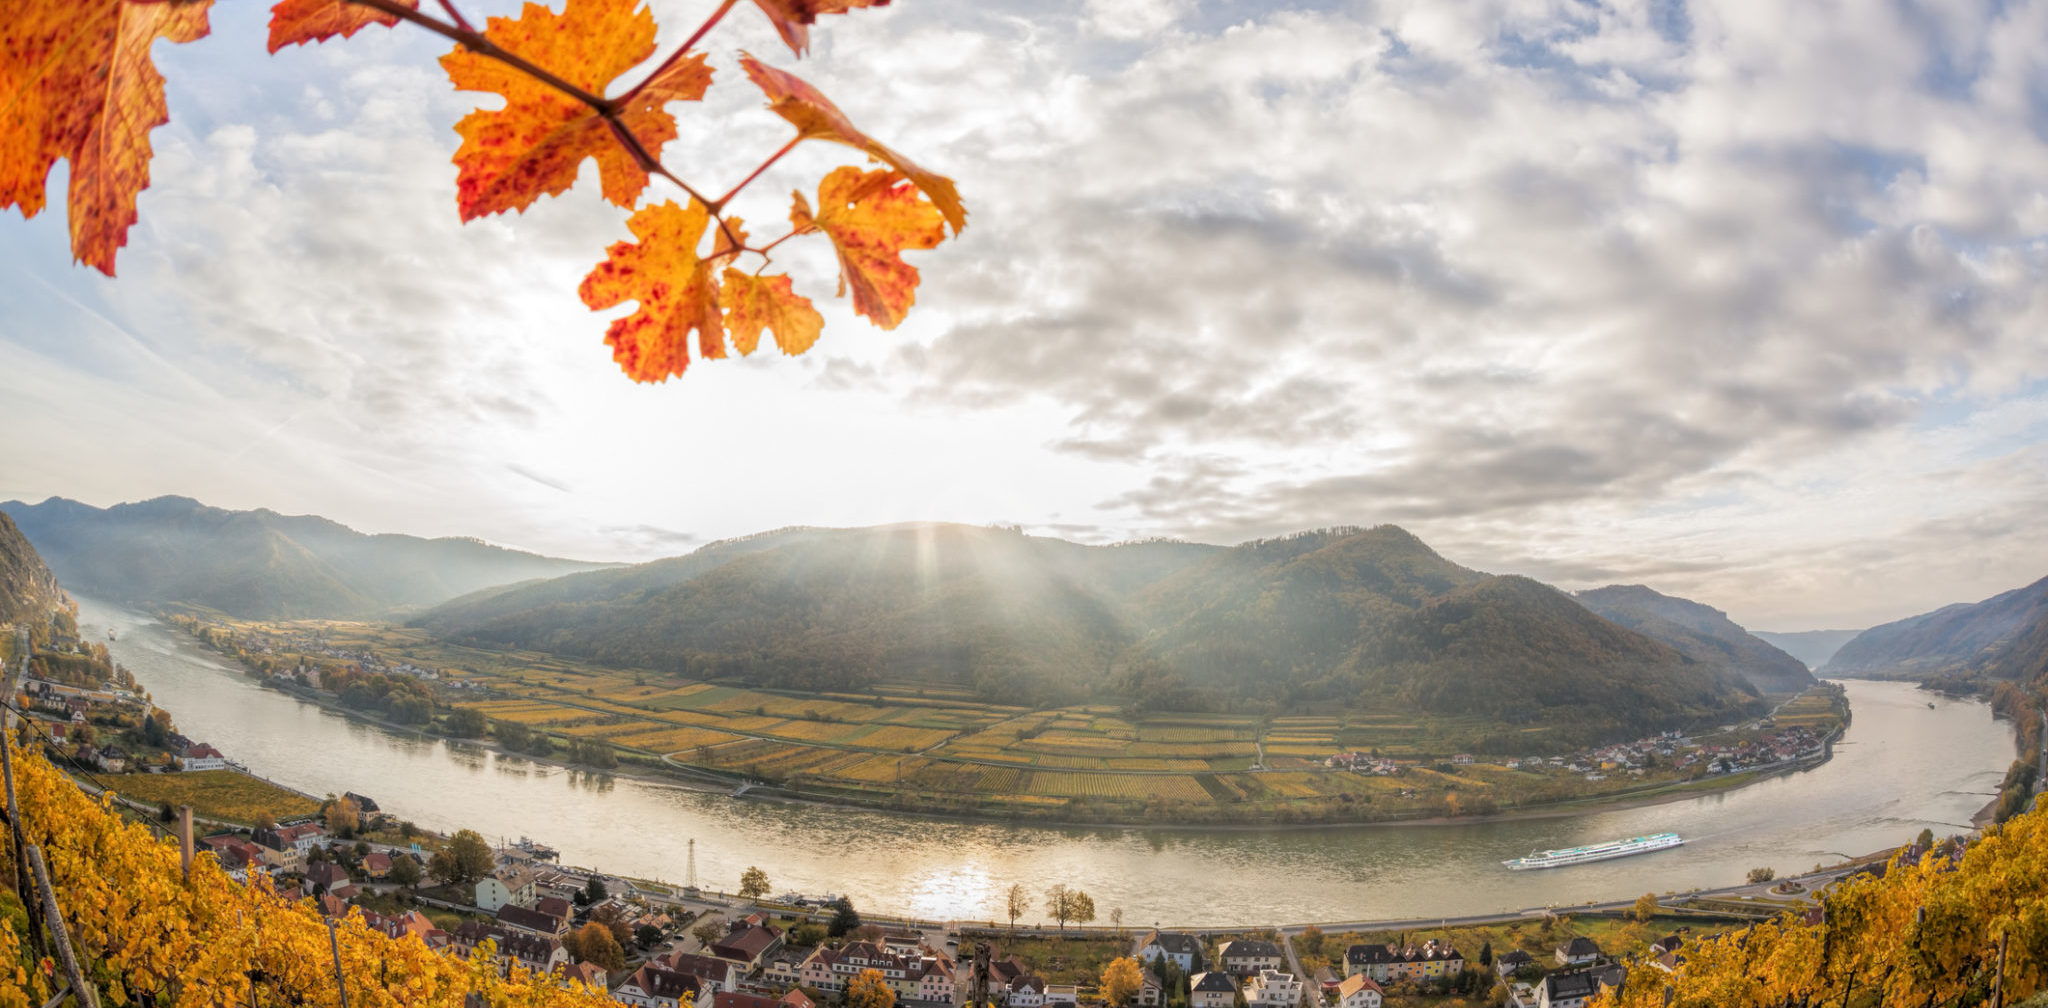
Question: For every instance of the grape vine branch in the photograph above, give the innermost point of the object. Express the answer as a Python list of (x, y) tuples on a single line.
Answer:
[(78, 85)]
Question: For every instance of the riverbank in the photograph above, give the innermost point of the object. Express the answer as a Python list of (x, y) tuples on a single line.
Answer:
[(1006, 786), (705, 781), (1901, 767), (929, 748)]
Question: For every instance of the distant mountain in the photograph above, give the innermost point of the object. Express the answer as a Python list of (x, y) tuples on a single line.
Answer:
[(28, 591), (1702, 633), (2002, 637), (1814, 647), (260, 564), (1016, 616), (1358, 617)]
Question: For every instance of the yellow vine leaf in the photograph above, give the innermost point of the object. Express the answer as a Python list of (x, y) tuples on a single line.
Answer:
[(676, 291), (296, 22), (754, 303), (816, 118), (77, 83), (872, 217), (534, 145)]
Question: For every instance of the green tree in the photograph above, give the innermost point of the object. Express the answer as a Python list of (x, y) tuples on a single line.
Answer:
[(1121, 980), (1758, 876), (595, 943), (404, 871), (869, 989), (465, 722), (753, 883), (594, 891), (1645, 908), (646, 935), (1926, 840), (465, 859), (844, 917), (807, 933), (1311, 940), (512, 735), (708, 931)]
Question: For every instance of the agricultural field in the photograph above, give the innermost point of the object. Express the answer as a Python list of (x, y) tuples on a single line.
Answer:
[(921, 745), (214, 794)]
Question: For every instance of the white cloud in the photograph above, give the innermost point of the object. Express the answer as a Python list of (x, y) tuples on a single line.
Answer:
[(1742, 299)]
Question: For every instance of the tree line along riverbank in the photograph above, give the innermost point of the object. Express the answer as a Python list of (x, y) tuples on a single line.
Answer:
[(923, 749)]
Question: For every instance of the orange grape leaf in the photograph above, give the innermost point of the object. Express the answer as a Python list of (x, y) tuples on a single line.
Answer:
[(675, 289), (871, 218), (535, 144), (793, 18), (754, 303), (296, 22), (816, 118), (77, 83)]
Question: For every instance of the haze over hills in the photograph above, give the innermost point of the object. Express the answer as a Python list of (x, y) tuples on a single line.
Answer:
[(1814, 647), (1700, 629), (1347, 616), (260, 564), (2003, 637), (28, 590)]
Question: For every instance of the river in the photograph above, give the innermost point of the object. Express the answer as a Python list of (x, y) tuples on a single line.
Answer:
[(1901, 767)]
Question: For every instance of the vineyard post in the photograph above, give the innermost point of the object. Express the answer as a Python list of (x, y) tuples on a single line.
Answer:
[(54, 918), (334, 944), (24, 883), (185, 840)]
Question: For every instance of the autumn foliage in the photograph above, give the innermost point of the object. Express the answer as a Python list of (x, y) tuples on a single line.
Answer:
[(145, 931), (78, 84), (1928, 932)]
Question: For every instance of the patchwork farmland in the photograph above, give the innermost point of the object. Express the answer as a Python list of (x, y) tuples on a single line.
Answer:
[(931, 747)]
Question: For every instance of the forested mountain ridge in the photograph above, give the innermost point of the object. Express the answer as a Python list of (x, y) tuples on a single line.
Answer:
[(1346, 616), (260, 564), (2004, 637), (1699, 630), (28, 591), (1016, 616)]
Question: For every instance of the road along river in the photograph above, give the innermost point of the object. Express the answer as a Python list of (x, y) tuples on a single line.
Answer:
[(1901, 767)]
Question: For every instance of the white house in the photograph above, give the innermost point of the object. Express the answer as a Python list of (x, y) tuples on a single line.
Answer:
[(506, 886), (1273, 989), (1213, 989), (1359, 991), (1184, 949), (1026, 992)]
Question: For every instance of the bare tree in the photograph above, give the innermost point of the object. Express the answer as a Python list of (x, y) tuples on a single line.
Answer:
[(1065, 903), (1019, 904)]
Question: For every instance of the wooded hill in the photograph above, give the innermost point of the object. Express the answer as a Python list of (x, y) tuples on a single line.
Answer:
[(1700, 630), (260, 564), (1368, 617), (28, 591), (2004, 637)]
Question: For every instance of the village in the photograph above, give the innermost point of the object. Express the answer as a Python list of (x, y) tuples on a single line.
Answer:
[(692, 949)]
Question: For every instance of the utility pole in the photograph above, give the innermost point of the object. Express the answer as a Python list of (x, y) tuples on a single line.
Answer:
[(690, 880)]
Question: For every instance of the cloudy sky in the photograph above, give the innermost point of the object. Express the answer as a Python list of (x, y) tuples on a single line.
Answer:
[(1740, 300)]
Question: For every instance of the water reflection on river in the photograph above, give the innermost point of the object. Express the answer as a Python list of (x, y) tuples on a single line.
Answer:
[(1902, 767)]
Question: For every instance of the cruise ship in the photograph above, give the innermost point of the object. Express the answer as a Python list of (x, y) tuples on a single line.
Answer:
[(1595, 852)]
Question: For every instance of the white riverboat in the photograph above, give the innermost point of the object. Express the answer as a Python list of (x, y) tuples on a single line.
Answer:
[(1595, 852)]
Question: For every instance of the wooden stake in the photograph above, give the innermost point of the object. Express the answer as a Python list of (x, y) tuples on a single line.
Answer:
[(185, 840)]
